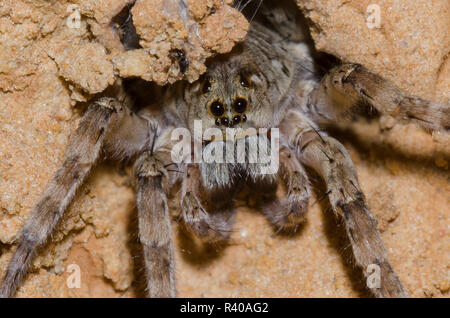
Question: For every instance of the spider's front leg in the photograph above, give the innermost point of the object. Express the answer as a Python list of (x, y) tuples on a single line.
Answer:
[(344, 87), (155, 231), (332, 162), (98, 129), (210, 219), (287, 212)]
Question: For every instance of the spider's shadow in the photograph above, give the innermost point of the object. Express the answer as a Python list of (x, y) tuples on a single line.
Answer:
[(196, 252), (384, 150)]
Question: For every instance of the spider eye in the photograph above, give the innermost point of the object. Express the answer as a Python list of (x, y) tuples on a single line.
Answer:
[(244, 81), (225, 121), (216, 108), (240, 105), (206, 87)]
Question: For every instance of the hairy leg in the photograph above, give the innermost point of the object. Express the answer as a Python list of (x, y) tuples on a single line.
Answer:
[(211, 227), (155, 230), (347, 86), (332, 162), (289, 211), (82, 153)]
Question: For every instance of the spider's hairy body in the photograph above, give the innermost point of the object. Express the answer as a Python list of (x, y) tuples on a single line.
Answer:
[(269, 81), (268, 98)]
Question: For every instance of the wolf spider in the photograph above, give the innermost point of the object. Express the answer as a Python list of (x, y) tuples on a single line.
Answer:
[(271, 80)]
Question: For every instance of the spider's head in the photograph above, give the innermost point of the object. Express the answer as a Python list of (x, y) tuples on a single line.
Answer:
[(231, 94)]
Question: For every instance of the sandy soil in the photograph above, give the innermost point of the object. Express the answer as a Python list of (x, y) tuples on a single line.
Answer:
[(46, 68)]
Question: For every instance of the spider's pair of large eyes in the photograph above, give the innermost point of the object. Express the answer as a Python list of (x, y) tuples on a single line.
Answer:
[(239, 106)]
